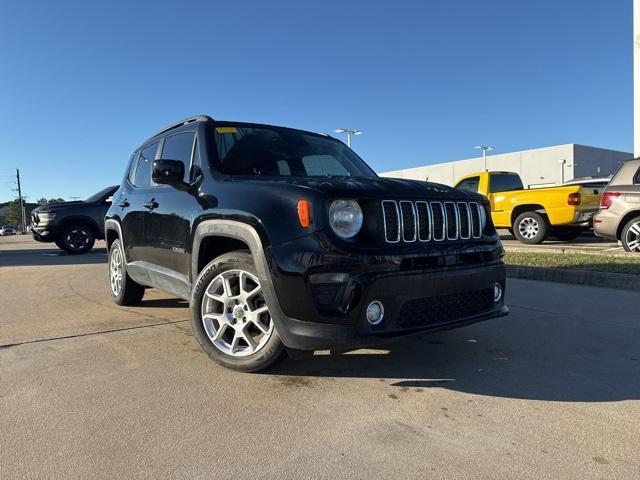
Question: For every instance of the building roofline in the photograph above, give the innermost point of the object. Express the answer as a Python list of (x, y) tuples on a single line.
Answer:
[(507, 153)]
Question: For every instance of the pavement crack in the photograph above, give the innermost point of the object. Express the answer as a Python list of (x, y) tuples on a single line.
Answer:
[(107, 305), (88, 334)]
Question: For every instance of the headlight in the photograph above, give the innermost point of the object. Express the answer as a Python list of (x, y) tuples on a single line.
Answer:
[(483, 217), (345, 218), (46, 217)]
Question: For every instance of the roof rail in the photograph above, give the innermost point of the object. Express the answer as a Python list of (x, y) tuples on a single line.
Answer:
[(195, 118)]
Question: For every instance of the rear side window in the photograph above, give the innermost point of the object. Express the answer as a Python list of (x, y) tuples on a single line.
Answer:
[(469, 184), (504, 182), (636, 180), (144, 164), (179, 147)]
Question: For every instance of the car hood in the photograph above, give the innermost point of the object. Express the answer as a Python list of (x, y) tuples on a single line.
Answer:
[(54, 207), (370, 187)]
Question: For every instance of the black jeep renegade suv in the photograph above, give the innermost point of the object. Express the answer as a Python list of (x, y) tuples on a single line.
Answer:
[(282, 238)]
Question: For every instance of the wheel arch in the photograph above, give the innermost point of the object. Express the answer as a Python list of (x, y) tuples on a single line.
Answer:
[(626, 219), (80, 220), (249, 236), (531, 207), (215, 237), (112, 231)]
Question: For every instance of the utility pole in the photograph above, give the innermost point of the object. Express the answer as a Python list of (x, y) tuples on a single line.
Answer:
[(23, 225), (636, 78)]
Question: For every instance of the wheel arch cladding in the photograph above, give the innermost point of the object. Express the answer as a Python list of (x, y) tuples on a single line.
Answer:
[(532, 207)]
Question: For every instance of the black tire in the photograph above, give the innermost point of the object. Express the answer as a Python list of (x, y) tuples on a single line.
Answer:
[(531, 228), (273, 348), (130, 292), (59, 243), (631, 236), (76, 238), (567, 234)]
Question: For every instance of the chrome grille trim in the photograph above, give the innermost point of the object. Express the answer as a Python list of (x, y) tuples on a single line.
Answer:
[(449, 220), (413, 216), (448, 225), (429, 221), (443, 215), (477, 226), (464, 206), (384, 220)]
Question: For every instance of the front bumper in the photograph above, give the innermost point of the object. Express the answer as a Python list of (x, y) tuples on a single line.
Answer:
[(44, 233), (317, 316), (583, 219)]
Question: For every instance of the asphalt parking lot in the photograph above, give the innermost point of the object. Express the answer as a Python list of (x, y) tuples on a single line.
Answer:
[(92, 390)]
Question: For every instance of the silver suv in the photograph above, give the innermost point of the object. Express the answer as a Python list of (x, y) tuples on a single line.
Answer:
[(619, 215)]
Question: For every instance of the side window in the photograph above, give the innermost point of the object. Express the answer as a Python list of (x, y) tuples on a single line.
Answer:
[(179, 147), (323, 165), (133, 163), (469, 184), (504, 182), (142, 175), (636, 180)]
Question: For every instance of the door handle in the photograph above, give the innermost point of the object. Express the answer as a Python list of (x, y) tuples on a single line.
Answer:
[(151, 205)]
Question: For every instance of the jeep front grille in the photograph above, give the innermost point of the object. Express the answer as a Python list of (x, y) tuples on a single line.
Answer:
[(410, 221)]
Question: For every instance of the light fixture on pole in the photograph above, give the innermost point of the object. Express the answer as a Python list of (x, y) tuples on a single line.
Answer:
[(485, 149), (350, 132)]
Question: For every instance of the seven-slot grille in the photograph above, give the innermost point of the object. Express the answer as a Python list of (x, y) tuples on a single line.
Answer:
[(410, 221)]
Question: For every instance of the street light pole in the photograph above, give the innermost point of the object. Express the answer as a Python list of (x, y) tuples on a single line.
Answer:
[(350, 132), (485, 149)]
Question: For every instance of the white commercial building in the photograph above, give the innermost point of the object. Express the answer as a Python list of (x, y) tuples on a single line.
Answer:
[(537, 167)]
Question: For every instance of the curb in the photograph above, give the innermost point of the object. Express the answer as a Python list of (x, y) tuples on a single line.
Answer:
[(620, 281)]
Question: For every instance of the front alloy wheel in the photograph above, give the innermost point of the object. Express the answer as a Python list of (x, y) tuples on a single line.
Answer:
[(235, 315), (230, 316)]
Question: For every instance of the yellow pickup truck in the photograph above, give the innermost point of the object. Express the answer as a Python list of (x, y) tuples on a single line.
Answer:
[(533, 214)]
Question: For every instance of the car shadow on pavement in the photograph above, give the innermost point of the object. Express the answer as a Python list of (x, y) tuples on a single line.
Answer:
[(510, 359), (50, 256), (171, 302)]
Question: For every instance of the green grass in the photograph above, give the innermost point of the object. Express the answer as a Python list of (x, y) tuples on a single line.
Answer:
[(577, 261)]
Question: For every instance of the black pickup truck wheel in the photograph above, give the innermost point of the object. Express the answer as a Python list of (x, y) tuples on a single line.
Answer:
[(530, 228), (230, 316), (76, 239)]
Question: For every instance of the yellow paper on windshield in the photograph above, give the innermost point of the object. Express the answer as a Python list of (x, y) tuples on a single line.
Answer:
[(226, 130)]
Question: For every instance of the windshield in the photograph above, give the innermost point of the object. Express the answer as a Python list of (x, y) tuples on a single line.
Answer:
[(101, 195), (276, 151)]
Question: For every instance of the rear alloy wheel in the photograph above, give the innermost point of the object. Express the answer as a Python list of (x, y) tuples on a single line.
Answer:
[(230, 316), (124, 290), (631, 236), (77, 239), (530, 228)]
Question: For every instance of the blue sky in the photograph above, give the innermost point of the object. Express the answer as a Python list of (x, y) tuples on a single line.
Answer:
[(83, 83)]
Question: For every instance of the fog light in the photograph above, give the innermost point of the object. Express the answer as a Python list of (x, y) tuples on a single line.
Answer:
[(375, 313), (497, 292)]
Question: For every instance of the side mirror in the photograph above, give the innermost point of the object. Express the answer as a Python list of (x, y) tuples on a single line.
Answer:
[(168, 172)]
